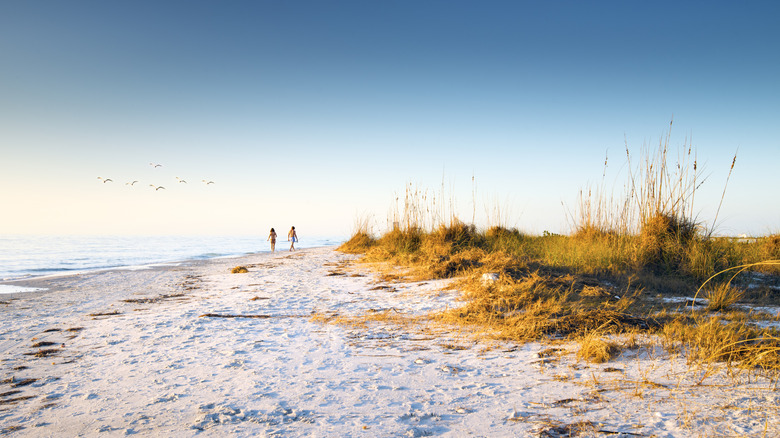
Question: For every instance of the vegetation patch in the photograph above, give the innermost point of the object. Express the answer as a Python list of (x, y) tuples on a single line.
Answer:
[(721, 297), (359, 243), (595, 349), (239, 270), (611, 276), (711, 339)]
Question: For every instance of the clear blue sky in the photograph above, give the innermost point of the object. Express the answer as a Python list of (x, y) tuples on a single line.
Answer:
[(315, 113)]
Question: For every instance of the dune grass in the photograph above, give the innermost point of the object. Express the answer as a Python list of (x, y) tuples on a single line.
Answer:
[(608, 277), (581, 288)]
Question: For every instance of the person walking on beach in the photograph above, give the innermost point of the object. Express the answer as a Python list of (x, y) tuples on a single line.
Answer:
[(272, 238), (292, 236)]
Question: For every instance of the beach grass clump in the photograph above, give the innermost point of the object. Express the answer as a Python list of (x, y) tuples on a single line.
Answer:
[(722, 296), (537, 293), (359, 243), (362, 238), (457, 235), (402, 243), (516, 309), (595, 349), (397, 246), (451, 265), (663, 240), (447, 251), (239, 270), (711, 339), (538, 305), (505, 239), (600, 254)]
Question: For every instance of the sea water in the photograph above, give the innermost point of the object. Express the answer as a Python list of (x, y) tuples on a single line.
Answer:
[(33, 256)]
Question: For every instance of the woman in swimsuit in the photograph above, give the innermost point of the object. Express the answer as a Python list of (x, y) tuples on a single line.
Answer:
[(272, 238)]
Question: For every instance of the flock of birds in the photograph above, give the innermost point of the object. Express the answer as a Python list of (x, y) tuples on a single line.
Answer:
[(155, 187)]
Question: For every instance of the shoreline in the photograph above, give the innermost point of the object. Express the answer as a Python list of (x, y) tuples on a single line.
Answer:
[(43, 281), (33, 256), (193, 350)]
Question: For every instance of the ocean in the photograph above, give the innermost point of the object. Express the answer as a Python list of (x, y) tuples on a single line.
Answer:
[(34, 256)]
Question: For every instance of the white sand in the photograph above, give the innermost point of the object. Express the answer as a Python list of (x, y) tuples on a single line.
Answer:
[(159, 369)]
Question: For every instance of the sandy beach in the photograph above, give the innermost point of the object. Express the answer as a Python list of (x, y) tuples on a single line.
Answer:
[(194, 350)]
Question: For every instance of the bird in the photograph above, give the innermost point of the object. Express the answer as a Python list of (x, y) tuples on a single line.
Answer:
[(105, 180), (208, 182), (130, 183), (156, 187), (155, 165), (181, 180)]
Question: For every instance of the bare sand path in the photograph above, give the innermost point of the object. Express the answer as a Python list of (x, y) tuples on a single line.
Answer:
[(118, 353)]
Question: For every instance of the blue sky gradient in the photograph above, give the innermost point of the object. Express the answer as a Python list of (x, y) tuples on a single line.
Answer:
[(318, 113)]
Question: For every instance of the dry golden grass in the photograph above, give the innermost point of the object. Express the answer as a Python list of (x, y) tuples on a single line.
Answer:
[(392, 316), (709, 339), (539, 305), (604, 279), (722, 296), (358, 244), (534, 301), (593, 348)]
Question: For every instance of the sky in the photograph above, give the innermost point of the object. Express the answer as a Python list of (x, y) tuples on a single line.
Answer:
[(320, 114)]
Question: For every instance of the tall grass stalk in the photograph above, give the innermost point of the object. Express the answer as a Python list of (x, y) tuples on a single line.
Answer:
[(655, 187), (720, 204)]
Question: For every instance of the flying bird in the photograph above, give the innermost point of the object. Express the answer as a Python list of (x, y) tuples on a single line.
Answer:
[(208, 182), (155, 165), (156, 187), (130, 183), (180, 180), (105, 180)]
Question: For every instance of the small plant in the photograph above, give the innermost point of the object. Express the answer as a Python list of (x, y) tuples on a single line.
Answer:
[(596, 350), (239, 270), (722, 296)]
